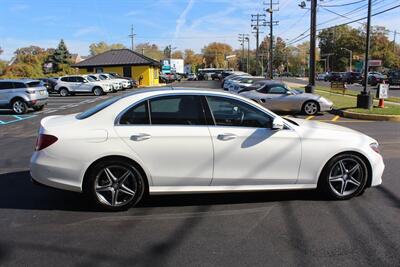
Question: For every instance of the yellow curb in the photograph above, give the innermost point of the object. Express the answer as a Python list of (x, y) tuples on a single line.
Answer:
[(309, 118), (336, 118), (375, 117)]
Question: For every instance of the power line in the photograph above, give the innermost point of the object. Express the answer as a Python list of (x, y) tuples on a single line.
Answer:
[(257, 21), (340, 5)]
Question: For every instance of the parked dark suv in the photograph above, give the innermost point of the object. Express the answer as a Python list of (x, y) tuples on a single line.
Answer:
[(394, 77)]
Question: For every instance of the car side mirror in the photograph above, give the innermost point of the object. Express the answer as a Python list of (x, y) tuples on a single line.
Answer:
[(277, 124), (85, 81), (289, 93)]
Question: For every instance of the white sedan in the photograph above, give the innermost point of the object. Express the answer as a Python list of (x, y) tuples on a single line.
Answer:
[(168, 141)]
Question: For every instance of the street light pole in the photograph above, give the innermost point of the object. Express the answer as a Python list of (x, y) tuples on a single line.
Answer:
[(351, 57), (364, 99), (248, 53)]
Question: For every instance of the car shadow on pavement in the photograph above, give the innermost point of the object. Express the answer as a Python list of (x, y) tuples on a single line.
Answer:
[(21, 193)]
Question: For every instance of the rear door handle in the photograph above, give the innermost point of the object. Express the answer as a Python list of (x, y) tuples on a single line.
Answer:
[(226, 136), (140, 137)]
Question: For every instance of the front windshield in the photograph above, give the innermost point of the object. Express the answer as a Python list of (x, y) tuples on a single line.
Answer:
[(103, 77), (94, 78)]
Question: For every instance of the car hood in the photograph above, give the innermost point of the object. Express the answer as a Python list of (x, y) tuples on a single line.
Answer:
[(309, 128)]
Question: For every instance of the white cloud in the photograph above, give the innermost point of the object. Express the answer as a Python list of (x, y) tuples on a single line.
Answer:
[(86, 31), (19, 7), (181, 21)]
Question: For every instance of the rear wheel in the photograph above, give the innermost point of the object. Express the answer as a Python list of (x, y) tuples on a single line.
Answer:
[(19, 106), (310, 108), (344, 177), (114, 185)]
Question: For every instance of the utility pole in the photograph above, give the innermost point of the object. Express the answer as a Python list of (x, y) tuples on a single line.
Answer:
[(247, 39), (310, 88), (364, 99), (257, 21), (242, 39), (271, 25), (132, 36)]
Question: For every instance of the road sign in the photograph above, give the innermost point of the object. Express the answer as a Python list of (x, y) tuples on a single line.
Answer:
[(383, 91), (374, 63)]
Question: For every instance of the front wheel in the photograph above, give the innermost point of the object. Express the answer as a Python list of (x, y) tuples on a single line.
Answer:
[(64, 92), (344, 177), (310, 108), (113, 185), (19, 106)]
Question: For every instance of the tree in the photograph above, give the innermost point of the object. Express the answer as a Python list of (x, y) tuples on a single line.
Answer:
[(60, 57), (1, 50), (193, 59), (101, 47), (215, 53), (177, 54), (150, 50)]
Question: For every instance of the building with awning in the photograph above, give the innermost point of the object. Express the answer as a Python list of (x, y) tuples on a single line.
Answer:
[(126, 63)]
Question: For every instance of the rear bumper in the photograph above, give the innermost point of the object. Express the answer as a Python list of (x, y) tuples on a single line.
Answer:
[(37, 102), (325, 107)]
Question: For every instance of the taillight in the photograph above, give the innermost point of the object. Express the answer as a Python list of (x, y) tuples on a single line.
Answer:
[(44, 140)]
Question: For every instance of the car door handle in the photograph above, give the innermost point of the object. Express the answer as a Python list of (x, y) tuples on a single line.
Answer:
[(226, 136), (140, 137)]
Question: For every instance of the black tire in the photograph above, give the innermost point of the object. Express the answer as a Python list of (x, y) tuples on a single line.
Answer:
[(98, 91), (330, 186), (63, 92), (310, 108), (38, 108), (118, 167), (19, 106)]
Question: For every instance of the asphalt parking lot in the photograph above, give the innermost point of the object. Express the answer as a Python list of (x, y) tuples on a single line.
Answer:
[(42, 226)]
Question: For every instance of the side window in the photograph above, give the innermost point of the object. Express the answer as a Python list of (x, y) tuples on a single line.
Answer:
[(231, 112), (138, 114), (65, 79), (177, 110), (18, 85), (6, 85), (277, 89), (79, 79), (263, 90), (257, 85)]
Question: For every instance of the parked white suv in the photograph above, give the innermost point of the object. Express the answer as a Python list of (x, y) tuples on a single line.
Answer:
[(19, 95), (67, 85), (117, 85), (125, 83)]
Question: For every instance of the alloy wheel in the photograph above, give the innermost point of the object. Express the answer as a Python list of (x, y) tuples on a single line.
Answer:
[(115, 185), (346, 176), (310, 108), (19, 107)]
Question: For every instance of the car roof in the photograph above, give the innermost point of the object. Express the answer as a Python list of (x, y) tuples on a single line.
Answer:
[(20, 80)]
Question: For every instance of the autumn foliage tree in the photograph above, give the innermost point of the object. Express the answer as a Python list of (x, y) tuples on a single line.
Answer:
[(101, 47), (150, 50), (215, 53)]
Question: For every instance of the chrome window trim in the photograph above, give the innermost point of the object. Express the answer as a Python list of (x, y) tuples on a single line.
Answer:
[(118, 117)]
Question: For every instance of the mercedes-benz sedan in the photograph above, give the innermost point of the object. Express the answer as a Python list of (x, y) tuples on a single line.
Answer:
[(168, 141)]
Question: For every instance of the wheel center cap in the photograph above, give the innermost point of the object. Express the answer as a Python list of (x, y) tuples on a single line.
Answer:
[(115, 186), (345, 177)]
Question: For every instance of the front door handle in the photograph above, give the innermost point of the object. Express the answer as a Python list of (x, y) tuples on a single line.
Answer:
[(140, 137), (226, 136)]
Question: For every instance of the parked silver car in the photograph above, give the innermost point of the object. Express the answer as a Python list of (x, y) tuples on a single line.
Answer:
[(81, 84), (278, 96), (19, 95)]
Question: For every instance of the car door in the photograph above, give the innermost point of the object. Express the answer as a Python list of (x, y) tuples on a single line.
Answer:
[(246, 150), (277, 98), (173, 143), (83, 85), (5, 93)]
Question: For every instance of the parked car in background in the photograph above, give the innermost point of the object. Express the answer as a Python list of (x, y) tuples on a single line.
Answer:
[(69, 85), (217, 75), (192, 77), (278, 96), (334, 77), (351, 77), (20, 95), (115, 84), (232, 75), (133, 82), (321, 76), (161, 142), (286, 74), (394, 78), (375, 78), (126, 84), (49, 83), (236, 85), (233, 79)]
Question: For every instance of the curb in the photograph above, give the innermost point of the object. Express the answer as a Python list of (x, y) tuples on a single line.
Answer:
[(361, 116)]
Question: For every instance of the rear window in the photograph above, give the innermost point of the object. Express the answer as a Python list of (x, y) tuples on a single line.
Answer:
[(33, 84), (91, 111)]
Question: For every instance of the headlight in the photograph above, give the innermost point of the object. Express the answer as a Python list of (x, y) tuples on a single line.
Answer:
[(375, 147)]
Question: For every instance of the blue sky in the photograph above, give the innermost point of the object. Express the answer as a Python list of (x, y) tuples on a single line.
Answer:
[(182, 23)]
